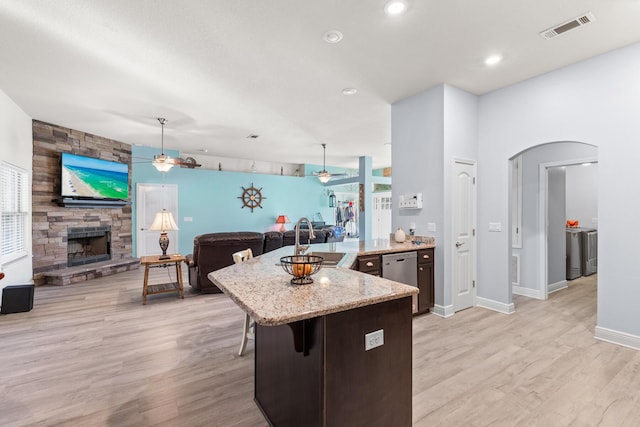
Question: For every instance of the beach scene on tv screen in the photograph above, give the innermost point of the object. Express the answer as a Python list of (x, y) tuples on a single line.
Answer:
[(88, 177)]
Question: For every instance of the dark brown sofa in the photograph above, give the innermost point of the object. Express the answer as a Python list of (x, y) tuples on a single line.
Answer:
[(213, 251), (289, 237)]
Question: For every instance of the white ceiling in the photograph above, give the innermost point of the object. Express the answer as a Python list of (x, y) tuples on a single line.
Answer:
[(220, 70)]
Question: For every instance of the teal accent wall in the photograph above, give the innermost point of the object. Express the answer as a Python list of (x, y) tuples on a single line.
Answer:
[(210, 197), (378, 172)]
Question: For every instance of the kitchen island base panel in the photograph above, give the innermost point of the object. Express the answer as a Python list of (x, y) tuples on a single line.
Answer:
[(288, 385), (337, 383)]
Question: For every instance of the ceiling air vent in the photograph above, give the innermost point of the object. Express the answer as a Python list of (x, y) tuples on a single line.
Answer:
[(568, 26)]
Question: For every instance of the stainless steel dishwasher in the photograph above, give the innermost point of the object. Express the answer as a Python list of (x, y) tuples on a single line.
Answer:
[(401, 267)]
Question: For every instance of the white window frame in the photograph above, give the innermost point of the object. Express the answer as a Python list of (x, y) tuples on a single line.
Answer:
[(14, 212)]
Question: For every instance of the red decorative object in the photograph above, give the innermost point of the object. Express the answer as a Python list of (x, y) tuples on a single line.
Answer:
[(282, 219)]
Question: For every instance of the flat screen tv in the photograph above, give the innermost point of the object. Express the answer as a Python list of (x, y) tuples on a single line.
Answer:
[(86, 177)]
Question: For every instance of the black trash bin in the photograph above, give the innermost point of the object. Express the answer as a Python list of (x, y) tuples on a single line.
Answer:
[(17, 299)]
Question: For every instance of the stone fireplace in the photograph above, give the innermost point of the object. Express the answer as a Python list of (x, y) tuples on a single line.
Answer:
[(86, 245), (73, 244)]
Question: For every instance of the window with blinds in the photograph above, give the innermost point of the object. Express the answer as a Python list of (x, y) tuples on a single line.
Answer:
[(14, 189)]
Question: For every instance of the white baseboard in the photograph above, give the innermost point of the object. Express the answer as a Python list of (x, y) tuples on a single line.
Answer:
[(495, 305), (443, 310), (554, 287), (527, 292), (616, 337)]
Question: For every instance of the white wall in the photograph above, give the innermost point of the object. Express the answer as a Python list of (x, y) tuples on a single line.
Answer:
[(429, 130), (460, 143), (596, 102), (16, 145), (582, 194), (556, 226), (417, 151)]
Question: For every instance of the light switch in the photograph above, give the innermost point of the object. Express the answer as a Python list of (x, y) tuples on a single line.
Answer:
[(188, 219), (495, 226)]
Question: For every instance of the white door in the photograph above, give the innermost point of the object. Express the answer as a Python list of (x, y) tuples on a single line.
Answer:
[(150, 199), (381, 217), (464, 212)]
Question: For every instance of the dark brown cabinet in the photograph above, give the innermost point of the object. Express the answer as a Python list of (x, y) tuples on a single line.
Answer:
[(317, 372), (371, 264), (425, 280)]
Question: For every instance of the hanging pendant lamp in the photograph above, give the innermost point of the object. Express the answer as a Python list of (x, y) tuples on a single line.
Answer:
[(325, 176), (162, 162)]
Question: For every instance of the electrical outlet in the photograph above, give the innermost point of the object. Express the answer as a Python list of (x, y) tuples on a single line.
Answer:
[(188, 219), (373, 339), (431, 226)]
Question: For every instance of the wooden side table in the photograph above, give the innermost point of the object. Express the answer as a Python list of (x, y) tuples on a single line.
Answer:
[(154, 261)]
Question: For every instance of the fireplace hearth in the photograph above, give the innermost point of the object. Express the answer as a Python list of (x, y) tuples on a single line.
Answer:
[(86, 245)]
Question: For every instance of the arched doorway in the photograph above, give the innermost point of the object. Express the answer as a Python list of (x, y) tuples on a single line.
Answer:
[(537, 219)]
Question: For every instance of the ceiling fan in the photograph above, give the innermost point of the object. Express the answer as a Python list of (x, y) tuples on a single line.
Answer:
[(324, 176), (164, 163)]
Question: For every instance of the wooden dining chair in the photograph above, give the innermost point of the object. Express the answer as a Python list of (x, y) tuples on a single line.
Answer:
[(248, 328)]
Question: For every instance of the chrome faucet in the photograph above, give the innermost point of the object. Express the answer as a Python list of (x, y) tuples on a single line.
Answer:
[(300, 249)]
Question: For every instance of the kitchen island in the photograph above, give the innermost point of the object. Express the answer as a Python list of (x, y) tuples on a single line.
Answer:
[(311, 365)]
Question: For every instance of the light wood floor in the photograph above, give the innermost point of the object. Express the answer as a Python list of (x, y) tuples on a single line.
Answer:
[(90, 354)]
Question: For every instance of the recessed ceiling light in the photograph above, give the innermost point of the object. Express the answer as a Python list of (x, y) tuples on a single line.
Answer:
[(493, 59), (395, 7), (349, 91), (332, 36)]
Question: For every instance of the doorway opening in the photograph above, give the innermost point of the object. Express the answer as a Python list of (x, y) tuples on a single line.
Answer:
[(381, 216), (550, 184), (151, 199)]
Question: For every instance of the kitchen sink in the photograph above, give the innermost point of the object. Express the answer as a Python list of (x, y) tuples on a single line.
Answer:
[(331, 259)]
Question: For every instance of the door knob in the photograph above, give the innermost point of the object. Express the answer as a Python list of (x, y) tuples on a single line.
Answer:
[(458, 244)]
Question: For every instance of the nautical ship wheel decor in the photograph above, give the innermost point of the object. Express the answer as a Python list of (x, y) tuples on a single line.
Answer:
[(252, 197)]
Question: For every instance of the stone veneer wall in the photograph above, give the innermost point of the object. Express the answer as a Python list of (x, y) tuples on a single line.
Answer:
[(50, 221)]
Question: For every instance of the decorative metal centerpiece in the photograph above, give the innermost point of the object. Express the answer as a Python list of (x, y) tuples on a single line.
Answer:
[(301, 267)]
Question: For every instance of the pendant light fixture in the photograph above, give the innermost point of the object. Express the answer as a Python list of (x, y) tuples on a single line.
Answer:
[(162, 162), (325, 176)]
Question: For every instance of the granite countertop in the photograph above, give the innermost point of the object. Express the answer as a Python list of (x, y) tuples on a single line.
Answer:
[(353, 249), (262, 288)]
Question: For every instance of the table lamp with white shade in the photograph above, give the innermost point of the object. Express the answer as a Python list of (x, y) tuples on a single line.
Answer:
[(163, 222)]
